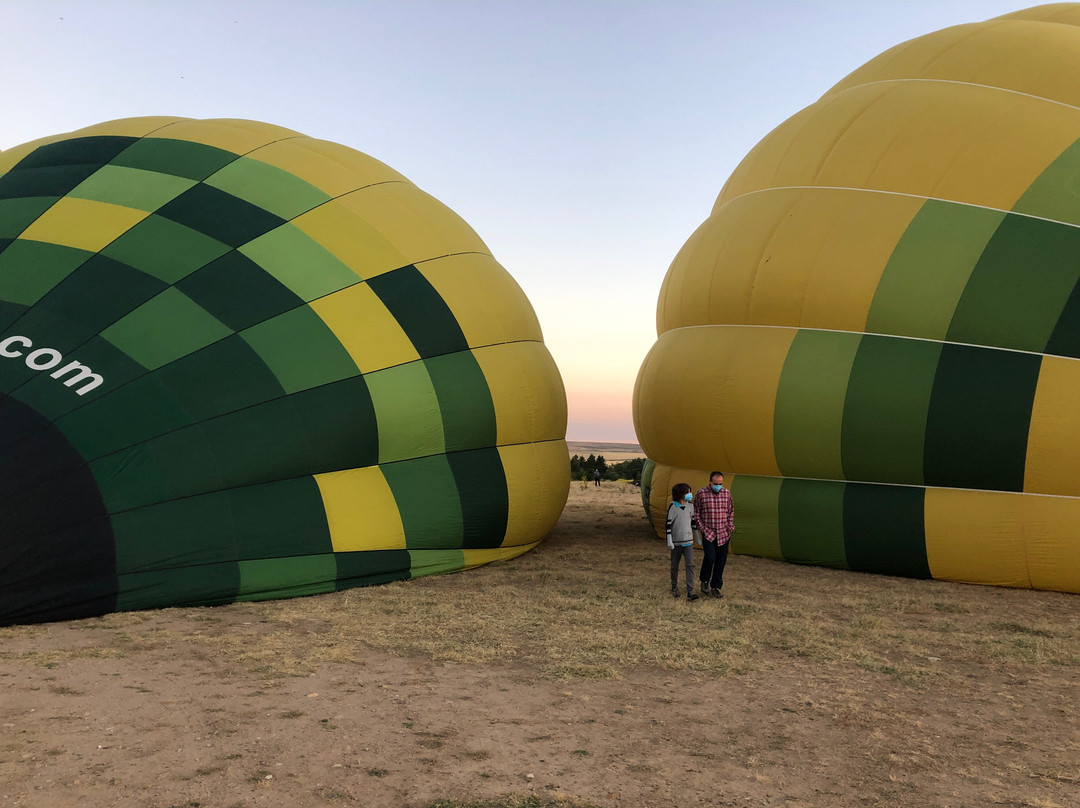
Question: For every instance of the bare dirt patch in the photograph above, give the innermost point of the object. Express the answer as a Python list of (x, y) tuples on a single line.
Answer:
[(567, 674)]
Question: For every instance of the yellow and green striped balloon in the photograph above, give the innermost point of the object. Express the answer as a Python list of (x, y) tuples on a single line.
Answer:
[(877, 330), (240, 363)]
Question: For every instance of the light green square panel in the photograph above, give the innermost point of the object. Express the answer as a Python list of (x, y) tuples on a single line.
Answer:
[(270, 578), (300, 350), (131, 187), (407, 411), (29, 269), (267, 186), (164, 329), (303, 265), (165, 249)]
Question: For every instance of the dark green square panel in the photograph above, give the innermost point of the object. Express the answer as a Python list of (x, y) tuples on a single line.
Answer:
[(426, 493), (181, 158), (205, 585), (811, 521), (165, 249), (184, 533), (258, 444), (264, 579), (115, 368), (238, 291), (977, 423), (219, 215), (280, 519), (420, 311), (482, 492), (139, 411), (17, 214), (95, 150), (179, 464), (372, 567), (221, 378), (52, 182), (468, 413), (883, 530), (339, 425)]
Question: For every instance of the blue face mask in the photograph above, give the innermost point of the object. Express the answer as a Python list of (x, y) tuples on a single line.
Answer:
[(689, 497), (716, 488)]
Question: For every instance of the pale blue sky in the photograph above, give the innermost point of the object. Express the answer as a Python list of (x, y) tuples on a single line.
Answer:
[(584, 141)]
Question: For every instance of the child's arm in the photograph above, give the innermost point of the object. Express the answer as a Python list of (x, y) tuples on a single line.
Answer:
[(667, 528)]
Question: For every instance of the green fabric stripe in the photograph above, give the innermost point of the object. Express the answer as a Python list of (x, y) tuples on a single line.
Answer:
[(164, 249), (131, 187), (407, 408), (164, 329), (468, 413), (436, 562), (977, 424), (286, 577), (811, 518), (485, 502), (181, 158), (426, 494), (1053, 194), (888, 396), (300, 263), (646, 484), (207, 585), (372, 567), (420, 311), (883, 530), (17, 214), (52, 181), (1065, 338), (1020, 285), (810, 403), (301, 350), (267, 186), (29, 269), (757, 515), (283, 518), (96, 150), (927, 271)]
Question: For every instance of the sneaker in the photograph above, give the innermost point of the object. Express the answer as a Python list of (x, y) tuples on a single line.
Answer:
[(691, 596), (674, 592), (716, 593)]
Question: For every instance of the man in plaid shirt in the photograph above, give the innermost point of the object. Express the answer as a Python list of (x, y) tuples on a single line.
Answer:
[(714, 515)]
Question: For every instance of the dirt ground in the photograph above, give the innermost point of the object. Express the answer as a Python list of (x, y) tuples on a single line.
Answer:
[(87, 720)]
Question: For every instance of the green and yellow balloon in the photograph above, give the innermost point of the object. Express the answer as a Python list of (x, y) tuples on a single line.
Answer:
[(878, 327), (239, 363)]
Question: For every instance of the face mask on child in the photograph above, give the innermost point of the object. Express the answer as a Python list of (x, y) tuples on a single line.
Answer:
[(689, 497)]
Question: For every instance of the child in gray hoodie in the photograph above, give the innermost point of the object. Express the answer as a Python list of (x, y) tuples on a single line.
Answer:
[(680, 538)]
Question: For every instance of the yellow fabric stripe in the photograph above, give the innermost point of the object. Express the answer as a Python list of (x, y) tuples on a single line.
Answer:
[(355, 242), (527, 391), (1053, 546), (1052, 465), (705, 397), (83, 223), (975, 537), (366, 328), (537, 482), (957, 142), (810, 257), (330, 167), (231, 134), (487, 303), (360, 510)]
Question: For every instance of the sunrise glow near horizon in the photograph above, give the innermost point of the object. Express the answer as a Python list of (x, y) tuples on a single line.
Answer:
[(584, 142)]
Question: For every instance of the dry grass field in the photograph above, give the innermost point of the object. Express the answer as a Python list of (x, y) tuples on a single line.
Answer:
[(566, 677), (612, 452)]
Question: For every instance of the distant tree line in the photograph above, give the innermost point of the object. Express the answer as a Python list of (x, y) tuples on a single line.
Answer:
[(581, 468)]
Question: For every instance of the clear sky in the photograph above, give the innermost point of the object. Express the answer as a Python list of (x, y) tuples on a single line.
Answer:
[(584, 141)]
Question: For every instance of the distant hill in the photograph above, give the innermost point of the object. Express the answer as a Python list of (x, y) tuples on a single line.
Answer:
[(612, 452)]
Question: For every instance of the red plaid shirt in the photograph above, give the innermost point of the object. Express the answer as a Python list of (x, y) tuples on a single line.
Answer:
[(714, 514)]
